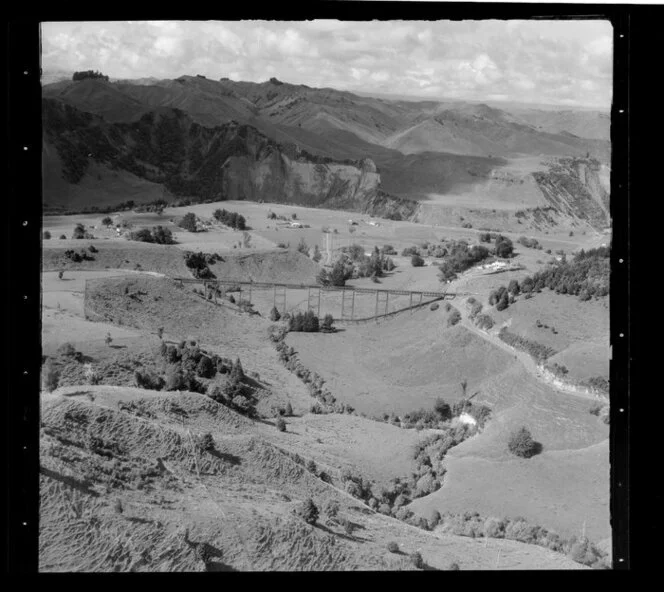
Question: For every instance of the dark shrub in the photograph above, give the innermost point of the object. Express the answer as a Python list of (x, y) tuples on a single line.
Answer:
[(79, 231), (417, 261), (46, 235), (63, 237), (206, 368), (416, 560), (308, 511), (442, 409), (392, 547), (274, 314), (454, 318), (521, 443), (434, 306), (306, 322), (174, 379), (331, 509), (206, 441), (281, 425), (327, 323), (188, 222), (147, 379)]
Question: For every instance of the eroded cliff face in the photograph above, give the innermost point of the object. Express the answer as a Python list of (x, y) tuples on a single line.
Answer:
[(232, 161), (578, 188)]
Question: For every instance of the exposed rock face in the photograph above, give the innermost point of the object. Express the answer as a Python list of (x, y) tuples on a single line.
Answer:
[(577, 187), (231, 161)]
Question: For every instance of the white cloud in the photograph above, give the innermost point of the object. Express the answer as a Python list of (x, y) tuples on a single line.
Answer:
[(437, 59)]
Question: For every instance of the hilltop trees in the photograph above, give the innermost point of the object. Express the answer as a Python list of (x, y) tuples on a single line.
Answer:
[(91, 74)]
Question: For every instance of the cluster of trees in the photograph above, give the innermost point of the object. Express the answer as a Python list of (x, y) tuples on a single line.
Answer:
[(232, 219), (158, 234), (586, 276), (198, 263), (336, 276), (308, 322), (82, 255), (92, 74), (459, 258), (80, 232), (187, 367), (503, 296)]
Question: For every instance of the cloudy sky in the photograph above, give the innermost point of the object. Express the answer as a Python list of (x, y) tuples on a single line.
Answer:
[(565, 63)]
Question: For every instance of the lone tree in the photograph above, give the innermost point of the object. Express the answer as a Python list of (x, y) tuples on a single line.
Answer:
[(275, 315), (108, 340), (289, 409), (281, 425), (188, 222), (416, 261), (107, 221), (521, 443), (309, 512)]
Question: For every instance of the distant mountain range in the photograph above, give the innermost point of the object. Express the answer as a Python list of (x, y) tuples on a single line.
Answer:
[(451, 145)]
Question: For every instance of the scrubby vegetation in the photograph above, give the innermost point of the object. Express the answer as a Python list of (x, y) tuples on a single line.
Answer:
[(471, 524), (325, 401), (232, 219), (538, 351), (77, 257), (531, 243)]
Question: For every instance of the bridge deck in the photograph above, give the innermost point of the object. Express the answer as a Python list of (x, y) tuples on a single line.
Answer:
[(271, 285)]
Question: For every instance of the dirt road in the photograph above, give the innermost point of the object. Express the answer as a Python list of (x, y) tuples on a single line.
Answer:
[(523, 357)]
